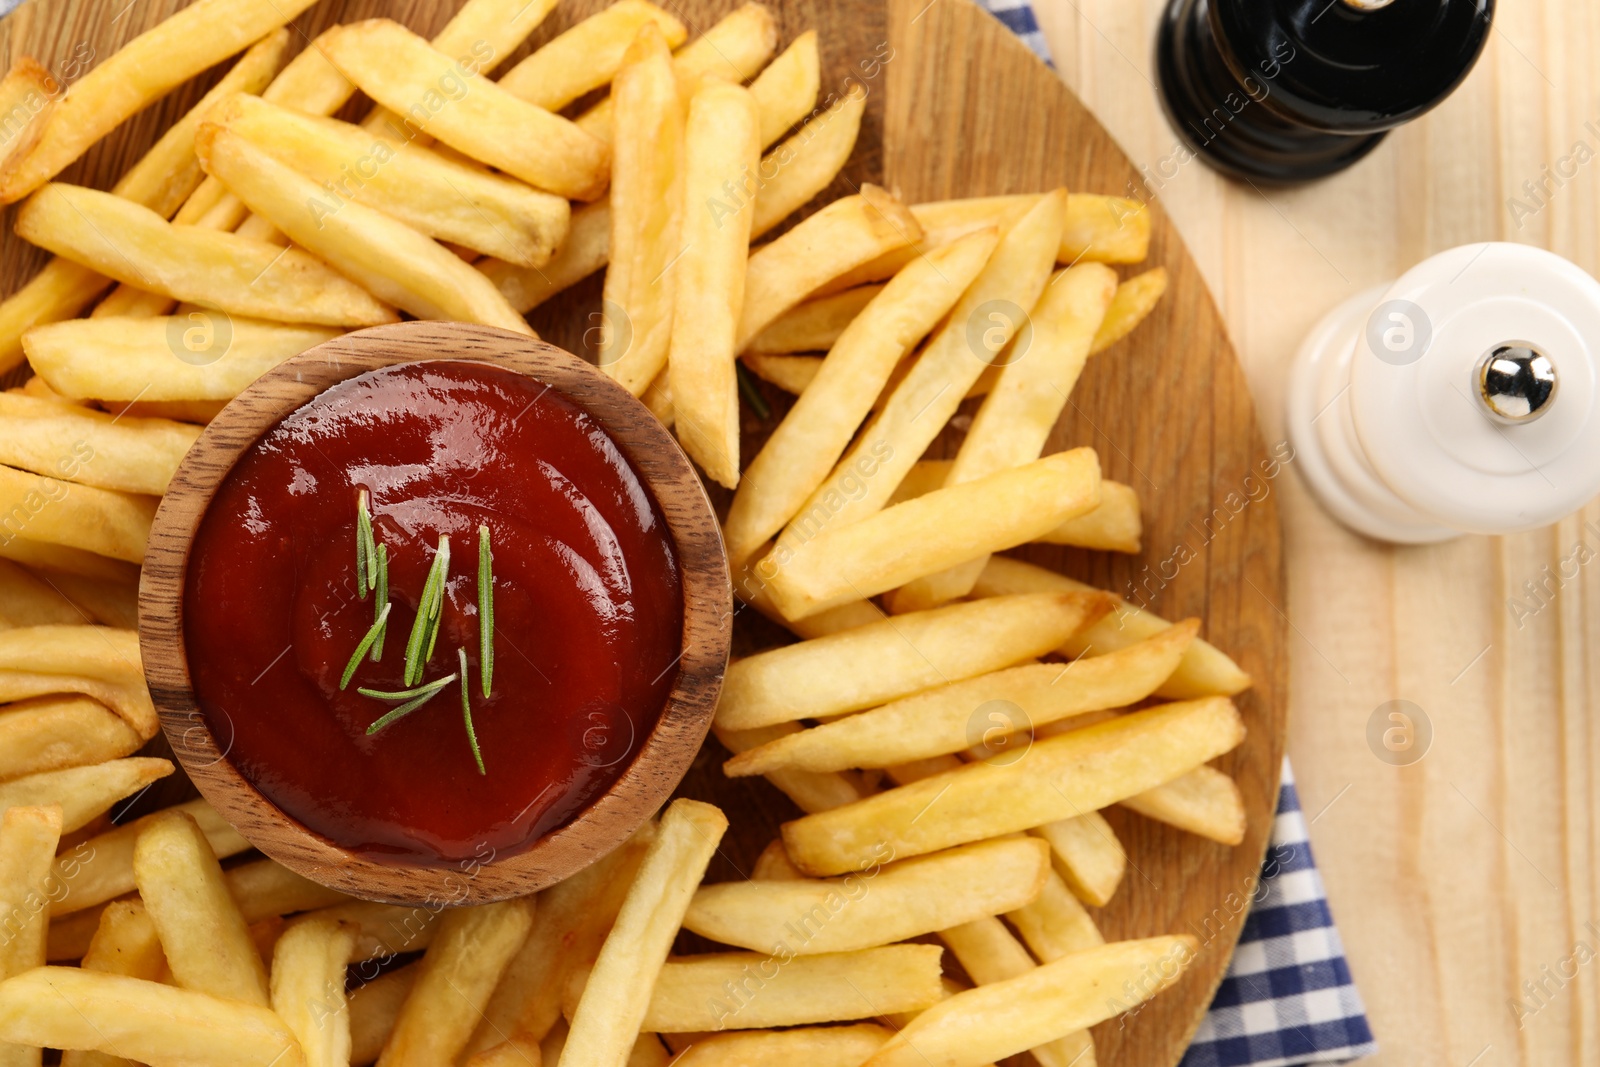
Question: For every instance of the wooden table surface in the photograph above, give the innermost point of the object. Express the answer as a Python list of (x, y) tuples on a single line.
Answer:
[(1466, 884)]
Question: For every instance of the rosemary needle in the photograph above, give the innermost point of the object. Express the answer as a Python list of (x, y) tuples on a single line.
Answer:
[(366, 643), (366, 548), (383, 598), (427, 693), (425, 628), (485, 611), (466, 711)]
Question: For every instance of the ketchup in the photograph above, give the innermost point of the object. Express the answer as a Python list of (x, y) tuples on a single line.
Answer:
[(588, 611)]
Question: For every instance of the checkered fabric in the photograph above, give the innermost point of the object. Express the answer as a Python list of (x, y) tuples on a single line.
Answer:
[(1019, 19)]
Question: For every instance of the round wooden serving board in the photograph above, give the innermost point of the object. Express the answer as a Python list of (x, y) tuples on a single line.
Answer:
[(957, 106)]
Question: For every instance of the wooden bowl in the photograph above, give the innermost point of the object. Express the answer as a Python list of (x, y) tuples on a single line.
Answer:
[(665, 753)]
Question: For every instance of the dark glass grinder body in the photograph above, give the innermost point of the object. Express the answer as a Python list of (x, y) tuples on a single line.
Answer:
[(1283, 91)]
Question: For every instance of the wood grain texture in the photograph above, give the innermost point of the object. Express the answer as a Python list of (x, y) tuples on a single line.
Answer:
[(662, 756), (1461, 877), (956, 106)]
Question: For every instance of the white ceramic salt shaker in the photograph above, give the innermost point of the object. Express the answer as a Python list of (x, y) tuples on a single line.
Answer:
[(1460, 399)]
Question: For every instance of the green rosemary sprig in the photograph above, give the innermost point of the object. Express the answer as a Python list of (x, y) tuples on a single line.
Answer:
[(366, 550), (752, 394), (425, 629), (366, 643), (466, 711), (485, 611), (423, 693), (382, 622)]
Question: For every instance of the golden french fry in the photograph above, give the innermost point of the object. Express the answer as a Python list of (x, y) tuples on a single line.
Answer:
[(895, 657), (1040, 1005), (28, 839), (587, 56), (78, 516), (606, 1019), (234, 274), (941, 222), (586, 249), (374, 1006), (646, 215), (202, 930), (267, 888), (569, 927), (382, 253), (73, 1008), (126, 942), (1084, 770), (59, 559), (108, 601), (83, 792), (130, 302), (813, 326), (1106, 229), (790, 373), (989, 953), (1204, 670), (433, 93), (518, 1050), (843, 234), (879, 903), (721, 149), (1205, 801), (52, 733), (433, 194), (1113, 526), (28, 92), (470, 951), (774, 865), (59, 291), (946, 718), (198, 412), (199, 356), (91, 447), (1087, 855), (1038, 371), (808, 442), (733, 50), (891, 547), (1055, 924), (786, 90), (382, 930), (139, 73), (950, 363), (749, 991), (29, 600), (810, 791), (823, 1046), (1135, 299), (130, 702), (308, 965)]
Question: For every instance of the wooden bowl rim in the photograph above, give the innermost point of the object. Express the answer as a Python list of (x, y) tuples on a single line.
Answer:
[(660, 761)]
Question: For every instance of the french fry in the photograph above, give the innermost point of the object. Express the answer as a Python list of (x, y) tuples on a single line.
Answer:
[(308, 978), (267, 888), (94, 651), (989, 953), (1038, 372), (1113, 526), (586, 250), (382, 930), (164, 1026), (894, 657), (28, 839), (111, 602), (202, 930), (91, 447), (436, 94), (374, 1006), (940, 720), (721, 150), (1055, 924), (774, 865), (121, 359), (435, 195), (1204, 670), (28, 92), (28, 600), (790, 373), (786, 90), (1041, 1005), (139, 73), (891, 547), (126, 943), (518, 1050), (1084, 770), (879, 903), (1087, 855), (607, 1016), (198, 412), (59, 291), (749, 991), (646, 215), (234, 274), (1105, 229), (78, 516), (846, 232), (941, 222), (587, 56), (52, 733), (950, 363), (1135, 299), (387, 256), (812, 437), (470, 951), (823, 1046), (569, 927), (59, 559), (1205, 801), (733, 49), (810, 791), (130, 702), (83, 792), (815, 325)]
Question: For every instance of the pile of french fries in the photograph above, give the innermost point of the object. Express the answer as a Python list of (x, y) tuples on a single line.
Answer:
[(951, 723)]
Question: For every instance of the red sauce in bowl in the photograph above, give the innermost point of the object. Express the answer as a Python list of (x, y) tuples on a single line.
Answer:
[(588, 611)]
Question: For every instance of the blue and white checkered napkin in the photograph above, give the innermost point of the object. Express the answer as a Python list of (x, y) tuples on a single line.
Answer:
[(1287, 998)]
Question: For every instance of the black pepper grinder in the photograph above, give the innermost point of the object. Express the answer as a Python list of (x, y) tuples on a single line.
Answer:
[(1285, 91)]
